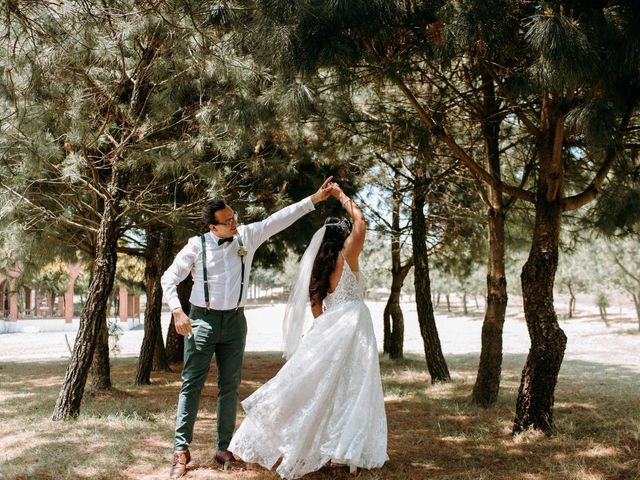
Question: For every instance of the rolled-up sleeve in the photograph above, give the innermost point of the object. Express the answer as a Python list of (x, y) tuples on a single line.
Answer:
[(178, 271), (259, 232)]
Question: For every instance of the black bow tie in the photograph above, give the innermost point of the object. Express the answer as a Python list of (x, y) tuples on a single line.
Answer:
[(222, 241)]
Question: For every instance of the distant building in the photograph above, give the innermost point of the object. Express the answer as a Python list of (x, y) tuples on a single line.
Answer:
[(23, 308)]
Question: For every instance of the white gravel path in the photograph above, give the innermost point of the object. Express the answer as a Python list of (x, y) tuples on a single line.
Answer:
[(588, 337)]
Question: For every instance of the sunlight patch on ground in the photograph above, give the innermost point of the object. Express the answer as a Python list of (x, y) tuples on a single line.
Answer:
[(577, 406), (12, 446), (599, 451), (505, 428), (86, 472), (398, 397), (429, 467), (584, 474), (407, 376), (8, 396), (442, 390), (516, 452), (457, 439), (529, 437)]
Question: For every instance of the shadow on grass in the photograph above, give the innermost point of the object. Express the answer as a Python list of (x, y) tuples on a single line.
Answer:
[(434, 431)]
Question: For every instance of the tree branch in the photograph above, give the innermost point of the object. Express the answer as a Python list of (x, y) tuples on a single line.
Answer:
[(591, 192), (517, 108), (440, 132)]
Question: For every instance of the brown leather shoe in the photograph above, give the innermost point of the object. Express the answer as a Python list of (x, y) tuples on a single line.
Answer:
[(179, 466), (224, 457)]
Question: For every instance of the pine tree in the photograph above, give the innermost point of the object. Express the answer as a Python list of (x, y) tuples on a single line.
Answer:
[(121, 124), (563, 78)]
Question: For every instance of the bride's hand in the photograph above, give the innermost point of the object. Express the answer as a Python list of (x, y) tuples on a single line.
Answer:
[(323, 192), (336, 191)]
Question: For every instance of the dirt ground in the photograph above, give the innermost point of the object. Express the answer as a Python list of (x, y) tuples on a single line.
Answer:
[(434, 431)]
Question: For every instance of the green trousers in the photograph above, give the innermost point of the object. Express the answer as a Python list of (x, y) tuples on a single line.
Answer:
[(215, 332)]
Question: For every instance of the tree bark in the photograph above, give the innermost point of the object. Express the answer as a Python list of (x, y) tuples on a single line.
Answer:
[(637, 305), (157, 252), (386, 326), (395, 256), (393, 312), (175, 341), (436, 363), (93, 312), (534, 405), (448, 302), (572, 301), (487, 386), (603, 315), (100, 366), (160, 357), (393, 317)]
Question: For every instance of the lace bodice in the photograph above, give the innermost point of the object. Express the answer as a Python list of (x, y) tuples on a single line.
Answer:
[(350, 288)]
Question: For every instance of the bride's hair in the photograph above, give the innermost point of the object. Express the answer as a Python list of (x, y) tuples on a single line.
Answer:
[(337, 231)]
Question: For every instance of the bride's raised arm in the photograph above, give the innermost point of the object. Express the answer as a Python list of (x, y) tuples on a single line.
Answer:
[(355, 241)]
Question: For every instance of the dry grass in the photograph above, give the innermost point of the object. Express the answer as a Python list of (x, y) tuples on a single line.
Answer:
[(434, 432)]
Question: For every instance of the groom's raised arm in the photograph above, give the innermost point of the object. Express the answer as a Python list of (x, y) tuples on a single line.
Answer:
[(278, 221)]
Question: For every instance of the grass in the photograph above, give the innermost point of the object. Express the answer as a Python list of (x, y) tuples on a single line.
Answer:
[(434, 432)]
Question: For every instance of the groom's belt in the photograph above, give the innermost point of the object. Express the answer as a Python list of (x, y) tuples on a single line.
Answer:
[(209, 310)]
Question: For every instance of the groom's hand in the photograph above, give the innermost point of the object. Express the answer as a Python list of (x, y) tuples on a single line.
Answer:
[(181, 322), (323, 192)]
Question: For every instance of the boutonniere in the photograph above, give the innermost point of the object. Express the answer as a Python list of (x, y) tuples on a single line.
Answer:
[(242, 251)]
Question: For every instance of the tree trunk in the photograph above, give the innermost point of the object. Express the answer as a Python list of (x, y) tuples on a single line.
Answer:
[(438, 300), (603, 315), (157, 252), (393, 311), (396, 349), (386, 325), (637, 305), (393, 317), (487, 386), (465, 310), (100, 367), (160, 358), (534, 406), (436, 363), (448, 302), (93, 312), (572, 301), (175, 341)]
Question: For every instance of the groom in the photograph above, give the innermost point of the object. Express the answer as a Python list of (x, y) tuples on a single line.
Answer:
[(219, 262)]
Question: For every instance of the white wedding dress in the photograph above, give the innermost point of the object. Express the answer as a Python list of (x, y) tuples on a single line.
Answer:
[(326, 403)]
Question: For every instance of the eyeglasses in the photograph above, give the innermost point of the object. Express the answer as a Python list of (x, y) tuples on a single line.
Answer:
[(231, 221)]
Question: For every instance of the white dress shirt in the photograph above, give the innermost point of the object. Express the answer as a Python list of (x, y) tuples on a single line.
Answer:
[(224, 265)]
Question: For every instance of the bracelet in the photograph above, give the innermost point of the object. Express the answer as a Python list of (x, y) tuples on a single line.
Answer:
[(346, 201)]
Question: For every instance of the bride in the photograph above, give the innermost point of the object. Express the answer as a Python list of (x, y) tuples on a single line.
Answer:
[(326, 404)]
